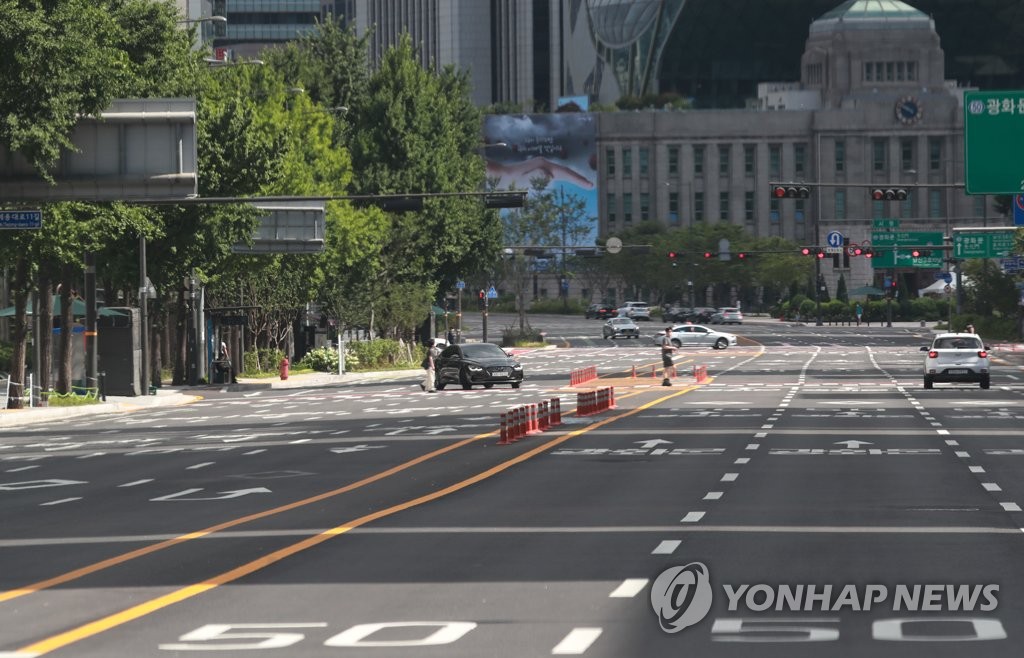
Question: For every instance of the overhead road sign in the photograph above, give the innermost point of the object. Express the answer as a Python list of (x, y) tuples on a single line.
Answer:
[(993, 142), (893, 249), (21, 219), (997, 242)]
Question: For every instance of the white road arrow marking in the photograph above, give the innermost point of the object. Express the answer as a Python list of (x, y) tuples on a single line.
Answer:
[(854, 444), (37, 484), (653, 443), (359, 448), (224, 495)]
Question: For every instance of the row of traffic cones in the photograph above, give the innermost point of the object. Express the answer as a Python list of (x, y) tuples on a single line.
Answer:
[(527, 419), (580, 375), (596, 401)]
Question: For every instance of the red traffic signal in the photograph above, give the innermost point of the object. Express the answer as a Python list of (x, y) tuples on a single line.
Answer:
[(708, 254), (890, 194), (672, 255), (813, 251), (857, 251), (921, 253), (790, 192), (742, 255), (868, 252), (482, 294)]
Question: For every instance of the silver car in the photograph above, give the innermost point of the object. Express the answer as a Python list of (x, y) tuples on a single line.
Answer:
[(616, 327), (695, 335), (956, 358)]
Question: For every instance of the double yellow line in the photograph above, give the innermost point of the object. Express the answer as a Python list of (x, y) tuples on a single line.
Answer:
[(108, 622)]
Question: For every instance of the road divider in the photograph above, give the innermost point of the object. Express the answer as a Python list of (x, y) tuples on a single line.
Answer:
[(596, 401), (526, 419), (581, 375), (700, 373)]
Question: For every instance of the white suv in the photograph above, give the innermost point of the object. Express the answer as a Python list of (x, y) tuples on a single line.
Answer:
[(956, 358), (635, 310)]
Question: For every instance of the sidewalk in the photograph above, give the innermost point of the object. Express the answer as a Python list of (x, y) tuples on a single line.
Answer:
[(172, 396)]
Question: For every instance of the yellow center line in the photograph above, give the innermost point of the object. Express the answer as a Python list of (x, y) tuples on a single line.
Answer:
[(103, 624)]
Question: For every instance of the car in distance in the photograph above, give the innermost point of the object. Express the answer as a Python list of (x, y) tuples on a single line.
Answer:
[(635, 310), (727, 315), (477, 363), (956, 358), (624, 327), (600, 311), (696, 335)]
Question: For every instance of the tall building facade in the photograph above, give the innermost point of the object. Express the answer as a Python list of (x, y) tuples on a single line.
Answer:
[(872, 110)]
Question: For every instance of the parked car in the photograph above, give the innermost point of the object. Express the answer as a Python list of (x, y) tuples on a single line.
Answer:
[(700, 314), (695, 335), (600, 311), (956, 358), (635, 310), (727, 315), (617, 327), (477, 363)]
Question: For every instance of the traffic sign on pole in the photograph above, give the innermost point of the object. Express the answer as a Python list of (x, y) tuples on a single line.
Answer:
[(982, 243), (1018, 210), (993, 142)]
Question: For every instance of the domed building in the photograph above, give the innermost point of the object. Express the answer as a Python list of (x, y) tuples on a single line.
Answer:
[(872, 110)]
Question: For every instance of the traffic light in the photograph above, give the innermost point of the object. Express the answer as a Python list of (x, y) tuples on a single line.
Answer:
[(505, 200), (742, 255), (817, 252), (672, 255), (708, 254), (857, 251), (921, 253), (790, 192), (481, 299), (868, 252), (889, 194)]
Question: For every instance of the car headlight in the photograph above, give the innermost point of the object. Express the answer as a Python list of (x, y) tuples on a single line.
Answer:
[(475, 368), (516, 366)]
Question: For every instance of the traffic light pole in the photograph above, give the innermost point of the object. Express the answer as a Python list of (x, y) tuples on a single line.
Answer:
[(483, 314)]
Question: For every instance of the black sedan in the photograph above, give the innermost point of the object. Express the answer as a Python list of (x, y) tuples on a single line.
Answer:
[(477, 363)]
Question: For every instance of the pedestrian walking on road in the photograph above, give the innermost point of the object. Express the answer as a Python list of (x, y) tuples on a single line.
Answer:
[(668, 365), (428, 383)]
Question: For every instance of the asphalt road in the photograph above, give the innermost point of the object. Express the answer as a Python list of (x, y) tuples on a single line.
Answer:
[(826, 505)]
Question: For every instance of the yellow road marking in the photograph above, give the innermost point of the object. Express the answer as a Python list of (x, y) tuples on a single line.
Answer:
[(90, 629)]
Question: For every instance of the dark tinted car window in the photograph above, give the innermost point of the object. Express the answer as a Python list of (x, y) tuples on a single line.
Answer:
[(482, 350), (450, 352)]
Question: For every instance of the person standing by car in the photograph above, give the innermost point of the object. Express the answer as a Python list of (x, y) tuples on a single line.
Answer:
[(668, 365), (429, 379)]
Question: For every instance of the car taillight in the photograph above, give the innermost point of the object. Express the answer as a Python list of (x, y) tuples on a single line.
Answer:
[(933, 354), (983, 354)]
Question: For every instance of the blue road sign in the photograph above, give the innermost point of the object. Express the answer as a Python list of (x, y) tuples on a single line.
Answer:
[(834, 239), (492, 293), (460, 284), (1018, 210), (21, 219)]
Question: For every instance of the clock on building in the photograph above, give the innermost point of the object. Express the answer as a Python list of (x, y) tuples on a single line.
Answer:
[(908, 110)]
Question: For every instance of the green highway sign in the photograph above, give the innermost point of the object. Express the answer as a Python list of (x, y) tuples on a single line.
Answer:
[(983, 244), (885, 223), (993, 142), (889, 251)]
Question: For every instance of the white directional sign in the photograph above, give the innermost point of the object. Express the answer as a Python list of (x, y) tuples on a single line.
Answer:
[(359, 448), (653, 443)]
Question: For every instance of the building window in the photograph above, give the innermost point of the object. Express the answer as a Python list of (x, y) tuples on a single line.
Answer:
[(889, 72), (935, 153), (723, 206), (723, 160), (869, 71), (749, 153), (800, 160), (698, 161), (609, 158), (877, 209), (673, 208), (907, 205), (748, 208), (878, 153), (673, 160), (627, 207), (840, 198), (611, 202), (627, 163), (911, 71), (906, 154), (840, 156), (773, 212), (935, 204), (775, 162), (979, 204), (814, 74), (645, 206), (698, 206), (644, 162)]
